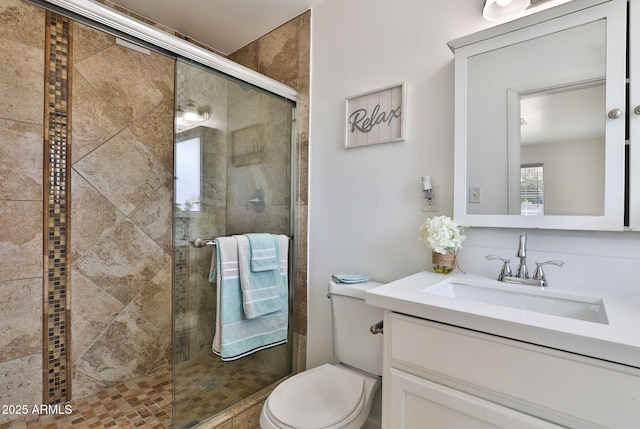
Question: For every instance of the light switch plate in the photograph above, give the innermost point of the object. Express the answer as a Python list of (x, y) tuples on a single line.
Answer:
[(474, 194)]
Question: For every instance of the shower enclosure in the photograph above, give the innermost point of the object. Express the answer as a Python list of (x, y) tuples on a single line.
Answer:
[(233, 175)]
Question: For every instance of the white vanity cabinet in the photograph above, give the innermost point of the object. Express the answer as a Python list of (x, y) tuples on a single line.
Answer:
[(420, 403), (441, 376)]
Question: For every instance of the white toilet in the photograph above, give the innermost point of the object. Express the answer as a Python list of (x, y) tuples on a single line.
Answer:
[(340, 395)]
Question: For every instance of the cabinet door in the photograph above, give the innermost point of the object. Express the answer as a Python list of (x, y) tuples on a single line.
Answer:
[(421, 404), (634, 115), (509, 81)]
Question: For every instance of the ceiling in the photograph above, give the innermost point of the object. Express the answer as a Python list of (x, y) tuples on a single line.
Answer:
[(228, 25), (570, 114), (224, 25)]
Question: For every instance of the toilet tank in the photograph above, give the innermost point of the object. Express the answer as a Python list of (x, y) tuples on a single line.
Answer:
[(353, 342)]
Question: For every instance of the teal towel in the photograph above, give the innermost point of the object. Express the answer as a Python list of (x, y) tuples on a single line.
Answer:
[(260, 289), (264, 252), (349, 278), (236, 336)]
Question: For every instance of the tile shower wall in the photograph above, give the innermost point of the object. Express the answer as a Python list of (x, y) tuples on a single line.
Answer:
[(265, 169), (122, 181), (111, 221), (121, 188), (284, 55), (21, 201), (193, 293)]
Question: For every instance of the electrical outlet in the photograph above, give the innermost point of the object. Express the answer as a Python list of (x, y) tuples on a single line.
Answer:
[(431, 204), (474, 194)]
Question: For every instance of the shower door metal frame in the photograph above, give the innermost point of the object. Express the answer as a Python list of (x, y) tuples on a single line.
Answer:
[(121, 24)]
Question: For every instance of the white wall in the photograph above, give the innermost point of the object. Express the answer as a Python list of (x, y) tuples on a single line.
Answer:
[(365, 203)]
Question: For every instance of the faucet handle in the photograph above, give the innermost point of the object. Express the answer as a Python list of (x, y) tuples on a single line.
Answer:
[(539, 273), (506, 268)]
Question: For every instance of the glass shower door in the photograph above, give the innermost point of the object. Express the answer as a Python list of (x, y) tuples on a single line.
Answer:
[(233, 168)]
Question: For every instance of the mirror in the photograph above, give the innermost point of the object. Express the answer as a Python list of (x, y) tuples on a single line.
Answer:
[(557, 145), (534, 145)]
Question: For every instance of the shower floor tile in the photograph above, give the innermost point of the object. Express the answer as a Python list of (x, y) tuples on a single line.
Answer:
[(204, 387), (142, 403), (197, 394)]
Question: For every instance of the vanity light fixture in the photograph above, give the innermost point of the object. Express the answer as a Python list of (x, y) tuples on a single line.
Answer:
[(500, 10), (191, 114)]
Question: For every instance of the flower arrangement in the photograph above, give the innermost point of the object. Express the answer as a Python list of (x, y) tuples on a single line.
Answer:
[(442, 234), (445, 237)]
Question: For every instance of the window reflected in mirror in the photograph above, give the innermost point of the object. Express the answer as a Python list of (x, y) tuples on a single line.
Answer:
[(187, 158), (532, 190), (563, 129)]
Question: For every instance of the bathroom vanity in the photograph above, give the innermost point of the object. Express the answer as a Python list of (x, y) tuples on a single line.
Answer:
[(556, 91), (471, 352), (461, 351)]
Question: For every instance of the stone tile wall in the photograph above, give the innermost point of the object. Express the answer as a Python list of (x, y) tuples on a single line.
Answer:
[(122, 185), (121, 192), (284, 55), (21, 202)]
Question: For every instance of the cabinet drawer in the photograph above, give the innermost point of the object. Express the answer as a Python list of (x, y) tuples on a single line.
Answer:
[(422, 404), (589, 392)]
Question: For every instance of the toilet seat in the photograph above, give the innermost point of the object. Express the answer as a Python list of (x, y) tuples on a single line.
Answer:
[(323, 397)]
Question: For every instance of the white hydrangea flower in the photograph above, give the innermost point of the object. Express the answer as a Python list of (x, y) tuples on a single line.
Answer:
[(442, 234)]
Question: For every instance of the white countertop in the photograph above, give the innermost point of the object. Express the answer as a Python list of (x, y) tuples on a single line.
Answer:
[(618, 341)]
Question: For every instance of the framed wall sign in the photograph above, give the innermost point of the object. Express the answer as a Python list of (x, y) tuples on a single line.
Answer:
[(376, 117)]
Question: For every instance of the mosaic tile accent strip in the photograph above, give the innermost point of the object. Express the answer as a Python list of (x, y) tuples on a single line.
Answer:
[(56, 320), (181, 305), (180, 296)]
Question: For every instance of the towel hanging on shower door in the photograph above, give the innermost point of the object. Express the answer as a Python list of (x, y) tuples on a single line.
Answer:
[(236, 336)]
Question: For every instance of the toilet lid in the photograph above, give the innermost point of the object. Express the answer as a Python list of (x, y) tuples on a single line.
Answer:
[(317, 398)]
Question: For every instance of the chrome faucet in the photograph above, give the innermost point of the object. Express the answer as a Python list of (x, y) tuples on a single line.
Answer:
[(522, 274), (522, 271)]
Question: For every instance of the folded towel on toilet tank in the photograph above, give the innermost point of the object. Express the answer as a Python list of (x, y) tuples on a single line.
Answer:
[(349, 278)]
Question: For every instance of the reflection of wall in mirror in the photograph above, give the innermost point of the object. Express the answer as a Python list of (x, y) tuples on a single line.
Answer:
[(567, 56), (573, 176)]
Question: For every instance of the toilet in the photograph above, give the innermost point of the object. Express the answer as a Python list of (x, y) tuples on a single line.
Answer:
[(339, 395)]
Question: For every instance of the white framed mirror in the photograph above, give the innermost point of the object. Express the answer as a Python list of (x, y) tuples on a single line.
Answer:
[(534, 145)]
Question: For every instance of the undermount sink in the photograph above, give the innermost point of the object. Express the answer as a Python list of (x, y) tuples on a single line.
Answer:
[(538, 301)]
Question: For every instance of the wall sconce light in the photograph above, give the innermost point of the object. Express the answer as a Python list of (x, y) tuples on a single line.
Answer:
[(429, 194), (427, 187), (500, 10)]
